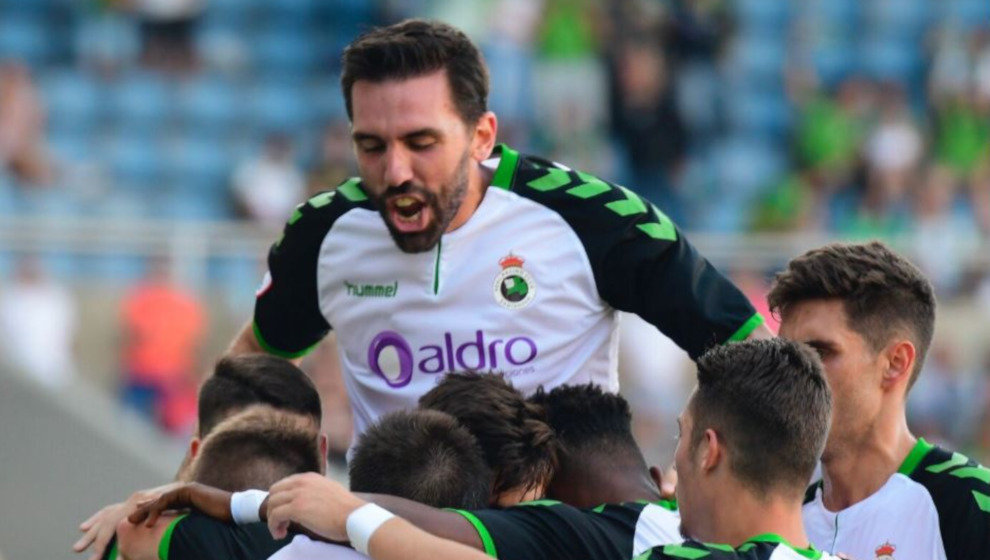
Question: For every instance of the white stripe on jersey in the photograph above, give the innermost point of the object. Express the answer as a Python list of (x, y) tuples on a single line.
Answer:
[(656, 526), (304, 548)]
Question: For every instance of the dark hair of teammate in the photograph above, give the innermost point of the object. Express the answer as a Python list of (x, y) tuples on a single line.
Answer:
[(769, 401), (413, 48), (241, 381), (421, 455), (256, 448), (517, 443), (600, 461), (883, 294)]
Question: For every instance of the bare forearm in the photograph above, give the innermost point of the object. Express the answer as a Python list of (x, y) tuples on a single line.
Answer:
[(398, 539)]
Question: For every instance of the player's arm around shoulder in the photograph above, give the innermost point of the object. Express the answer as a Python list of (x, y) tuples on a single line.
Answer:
[(140, 542)]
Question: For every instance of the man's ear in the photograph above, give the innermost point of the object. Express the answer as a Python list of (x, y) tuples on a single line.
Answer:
[(711, 450), (484, 137), (900, 357), (194, 444), (324, 449)]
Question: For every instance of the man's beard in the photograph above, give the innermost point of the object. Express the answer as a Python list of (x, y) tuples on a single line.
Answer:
[(443, 207)]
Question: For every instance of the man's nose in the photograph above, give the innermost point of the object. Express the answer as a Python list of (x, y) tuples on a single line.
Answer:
[(398, 169)]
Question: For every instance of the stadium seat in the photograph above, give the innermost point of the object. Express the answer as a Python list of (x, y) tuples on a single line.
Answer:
[(282, 52), (74, 100), (325, 100), (905, 19), (765, 17), (136, 161), (199, 164), (887, 58), (141, 102), (965, 13), (279, 106), (758, 59), (209, 106), (24, 38)]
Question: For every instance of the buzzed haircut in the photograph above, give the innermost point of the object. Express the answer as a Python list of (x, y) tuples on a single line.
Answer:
[(256, 448), (518, 444), (414, 48), (421, 455), (248, 379), (882, 293), (769, 402), (588, 420)]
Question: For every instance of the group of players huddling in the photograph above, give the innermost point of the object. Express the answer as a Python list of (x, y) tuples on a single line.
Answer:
[(472, 292)]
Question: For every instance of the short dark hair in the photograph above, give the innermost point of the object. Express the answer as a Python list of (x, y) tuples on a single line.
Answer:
[(769, 402), (517, 443), (421, 455), (244, 380), (881, 292), (256, 448), (416, 47), (588, 420)]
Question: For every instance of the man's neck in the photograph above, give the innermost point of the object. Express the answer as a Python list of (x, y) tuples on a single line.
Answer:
[(742, 516), (852, 473), (615, 482)]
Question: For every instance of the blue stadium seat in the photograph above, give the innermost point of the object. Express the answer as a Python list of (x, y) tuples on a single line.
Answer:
[(24, 38), (209, 106), (142, 102), (899, 18), (758, 60), (136, 161), (834, 62), (279, 52), (204, 204), (74, 101), (199, 165), (831, 12), (760, 114), (965, 13), (763, 16), (279, 106), (891, 59), (71, 146), (325, 100)]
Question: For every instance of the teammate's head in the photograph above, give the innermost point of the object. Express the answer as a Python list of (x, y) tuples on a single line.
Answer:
[(241, 381), (870, 314), (600, 461), (513, 434), (250, 379), (421, 455), (257, 447), (416, 93), (755, 426)]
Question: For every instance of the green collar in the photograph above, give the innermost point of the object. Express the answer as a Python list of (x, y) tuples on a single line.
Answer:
[(809, 552), (914, 457), (506, 170)]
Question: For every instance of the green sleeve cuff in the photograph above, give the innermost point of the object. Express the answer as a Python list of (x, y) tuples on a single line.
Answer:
[(747, 328), (275, 351), (166, 542), (486, 537)]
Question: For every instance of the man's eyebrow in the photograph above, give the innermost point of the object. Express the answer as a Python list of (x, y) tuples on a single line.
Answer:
[(819, 344), (358, 136), (428, 131)]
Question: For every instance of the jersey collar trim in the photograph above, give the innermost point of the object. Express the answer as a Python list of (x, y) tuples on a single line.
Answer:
[(914, 457), (506, 170), (809, 552)]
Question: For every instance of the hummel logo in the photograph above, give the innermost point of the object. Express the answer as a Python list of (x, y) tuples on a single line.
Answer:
[(372, 290)]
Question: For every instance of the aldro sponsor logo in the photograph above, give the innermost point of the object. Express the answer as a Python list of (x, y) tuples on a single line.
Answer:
[(393, 359), (514, 287)]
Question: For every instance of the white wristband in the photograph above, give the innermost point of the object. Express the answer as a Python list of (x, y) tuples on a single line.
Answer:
[(363, 522), (244, 506)]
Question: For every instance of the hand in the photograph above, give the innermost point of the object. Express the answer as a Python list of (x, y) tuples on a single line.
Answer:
[(206, 499), (100, 527), (312, 501)]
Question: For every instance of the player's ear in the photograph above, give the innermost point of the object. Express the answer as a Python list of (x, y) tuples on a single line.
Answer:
[(711, 450), (483, 141), (900, 357), (194, 444), (324, 449)]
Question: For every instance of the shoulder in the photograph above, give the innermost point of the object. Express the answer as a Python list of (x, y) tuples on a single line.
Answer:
[(590, 205), (318, 214), (960, 490)]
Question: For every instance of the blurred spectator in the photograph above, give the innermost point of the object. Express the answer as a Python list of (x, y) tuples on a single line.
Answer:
[(164, 327), (38, 324), (570, 85), (268, 187), (22, 126), (646, 121), (335, 161), (167, 33), (831, 130), (945, 403)]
